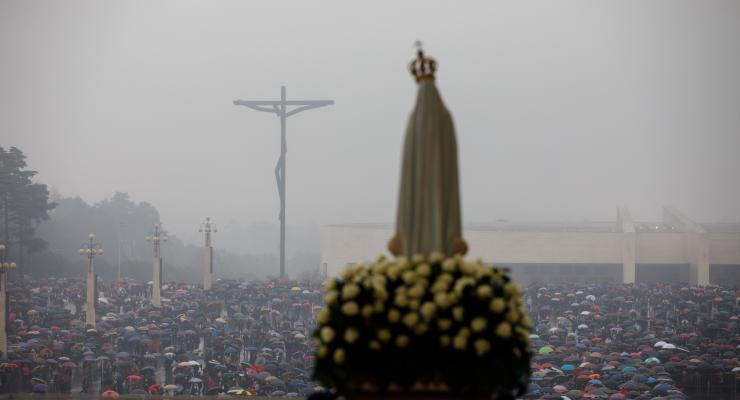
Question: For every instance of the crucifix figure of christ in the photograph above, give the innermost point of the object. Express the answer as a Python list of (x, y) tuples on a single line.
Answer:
[(283, 108)]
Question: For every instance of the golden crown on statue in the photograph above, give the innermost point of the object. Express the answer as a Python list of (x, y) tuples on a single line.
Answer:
[(422, 67)]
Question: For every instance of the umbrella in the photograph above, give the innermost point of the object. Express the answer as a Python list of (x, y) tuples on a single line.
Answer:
[(110, 394), (133, 377), (545, 350), (39, 388), (237, 391), (195, 380), (154, 388)]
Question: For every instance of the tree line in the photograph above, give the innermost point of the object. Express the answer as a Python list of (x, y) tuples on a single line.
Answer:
[(43, 233), (25, 204)]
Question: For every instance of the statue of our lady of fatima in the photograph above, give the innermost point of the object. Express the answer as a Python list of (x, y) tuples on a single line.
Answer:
[(428, 216), (426, 324)]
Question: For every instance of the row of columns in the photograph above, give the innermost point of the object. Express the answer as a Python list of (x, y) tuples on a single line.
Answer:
[(696, 244)]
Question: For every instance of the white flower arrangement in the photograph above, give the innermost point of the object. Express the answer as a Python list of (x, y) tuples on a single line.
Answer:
[(428, 319)]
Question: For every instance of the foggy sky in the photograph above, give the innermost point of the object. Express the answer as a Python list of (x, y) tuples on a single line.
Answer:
[(563, 109)]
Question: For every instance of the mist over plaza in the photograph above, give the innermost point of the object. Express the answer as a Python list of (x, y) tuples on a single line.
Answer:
[(231, 169)]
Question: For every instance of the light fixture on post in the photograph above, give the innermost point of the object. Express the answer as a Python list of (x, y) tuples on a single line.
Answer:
[(4, 267), (207, 228), (156, 238), (91, 249)]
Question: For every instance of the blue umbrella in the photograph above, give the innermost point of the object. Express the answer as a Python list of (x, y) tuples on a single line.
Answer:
[(662, 387), (567, 367)]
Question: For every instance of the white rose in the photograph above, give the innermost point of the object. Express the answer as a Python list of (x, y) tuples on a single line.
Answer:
[(331, 297), (478, 324), (482, 346), (427, 310), (416, 291), (512, 315), (436, 257), (420, 329), (351, 335), (411, 319), (458, 313), (350, 291), (401, 300), (380, 292), (350, 308), (484, 291), (460, 342), (442, 300), (392, 272), (326, 334), (339, 356), (393, 316), (402, 341), (324, 316), (512, 289), (503, 330), (468, 268), (367, 310), (409, 277), (322, 351), (497, 305), (424, 270)]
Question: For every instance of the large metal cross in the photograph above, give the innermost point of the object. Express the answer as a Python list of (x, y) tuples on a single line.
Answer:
[(280, 108)]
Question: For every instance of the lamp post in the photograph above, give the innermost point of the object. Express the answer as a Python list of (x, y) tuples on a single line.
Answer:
[(155, 239), (207, 228), (4, 267), (90, 249)]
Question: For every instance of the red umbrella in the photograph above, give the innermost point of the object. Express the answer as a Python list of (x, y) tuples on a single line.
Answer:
[(110, 394), (154, 388), (133, 377), (69, 364)]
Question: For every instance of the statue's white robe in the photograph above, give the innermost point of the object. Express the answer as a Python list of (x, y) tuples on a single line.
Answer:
[(428, 216)]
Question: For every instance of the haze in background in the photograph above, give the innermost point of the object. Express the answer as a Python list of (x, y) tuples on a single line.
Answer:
[(563, 110)]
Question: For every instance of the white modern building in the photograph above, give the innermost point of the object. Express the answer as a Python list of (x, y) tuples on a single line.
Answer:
[(675, 249)]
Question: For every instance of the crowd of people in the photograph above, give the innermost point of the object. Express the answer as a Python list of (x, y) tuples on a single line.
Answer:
[(589, 341), (634, 342), (238, 338)]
